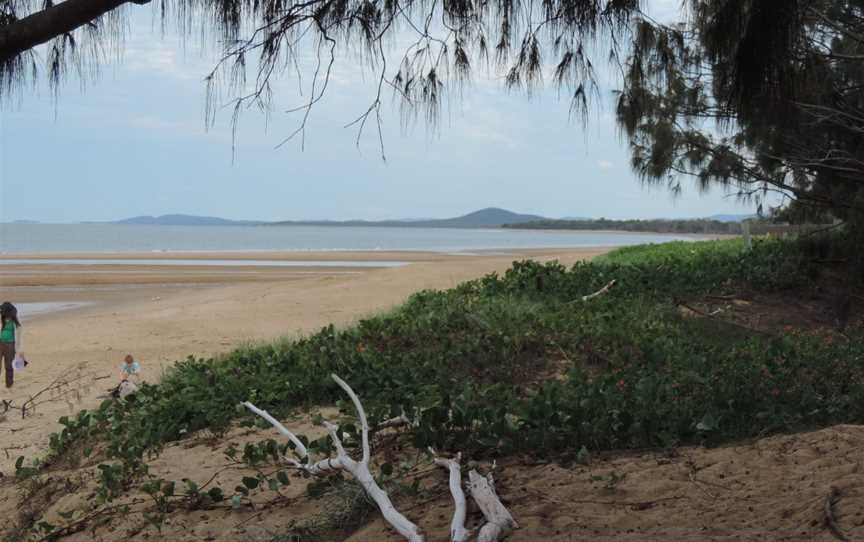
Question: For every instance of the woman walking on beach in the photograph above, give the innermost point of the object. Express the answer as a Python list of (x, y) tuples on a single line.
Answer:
[(10, 339)]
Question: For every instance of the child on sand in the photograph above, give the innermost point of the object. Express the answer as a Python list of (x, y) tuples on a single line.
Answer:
[(10, 339), (130, 368)]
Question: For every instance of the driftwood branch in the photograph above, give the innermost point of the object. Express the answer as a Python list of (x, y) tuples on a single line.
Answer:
[(65, 387), (611, 284), (499, 522), (299, 447), (358, 469), (458, 532)]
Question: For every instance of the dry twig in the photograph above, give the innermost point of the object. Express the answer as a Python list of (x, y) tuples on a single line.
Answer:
[(828, 515)]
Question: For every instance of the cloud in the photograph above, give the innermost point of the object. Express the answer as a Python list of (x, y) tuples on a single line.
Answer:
[(605, 164), (487, 126), (154, 55)]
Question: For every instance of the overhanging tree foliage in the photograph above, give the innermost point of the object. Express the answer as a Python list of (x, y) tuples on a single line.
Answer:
[(761, 95), (438, 43), (765, 96)]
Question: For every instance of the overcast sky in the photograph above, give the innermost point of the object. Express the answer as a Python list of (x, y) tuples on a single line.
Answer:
[(134, 142)]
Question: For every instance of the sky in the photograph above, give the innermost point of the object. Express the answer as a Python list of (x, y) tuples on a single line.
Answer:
[(134, 143)]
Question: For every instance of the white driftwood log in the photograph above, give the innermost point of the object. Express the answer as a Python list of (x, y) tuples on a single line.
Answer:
[(601, 291), (499, 522), (299, 447), (360, 470), (458, 532)]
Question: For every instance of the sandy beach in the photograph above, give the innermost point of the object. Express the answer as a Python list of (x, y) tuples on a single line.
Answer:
[(163, 313)]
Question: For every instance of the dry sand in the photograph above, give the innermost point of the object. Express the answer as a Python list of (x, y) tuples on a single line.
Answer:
[(773, 489), (162, 314)]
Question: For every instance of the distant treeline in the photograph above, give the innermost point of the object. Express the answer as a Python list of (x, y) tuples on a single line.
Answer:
[(654, 226)]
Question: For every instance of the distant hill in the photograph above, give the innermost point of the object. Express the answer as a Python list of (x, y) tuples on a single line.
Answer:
[(491, 217), (484, 218), (22, 221), (184, 220)]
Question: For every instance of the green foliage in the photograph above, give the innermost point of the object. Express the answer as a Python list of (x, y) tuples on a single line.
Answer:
[(778, 116), (23, 472), (477, 366)]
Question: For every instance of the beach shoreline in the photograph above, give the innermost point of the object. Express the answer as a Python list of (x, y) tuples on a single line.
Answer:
[(162, 314), (93, 280)]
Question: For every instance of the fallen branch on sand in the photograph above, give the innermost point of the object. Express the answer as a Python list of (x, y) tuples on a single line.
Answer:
[(360, 470), (828, 515), (601, 291), (7, 449), (65, 388), (458, 532), (498, 524)]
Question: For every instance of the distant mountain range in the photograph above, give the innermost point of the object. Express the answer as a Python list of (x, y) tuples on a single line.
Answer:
[(184, 220), (484, 218), (491, 217)]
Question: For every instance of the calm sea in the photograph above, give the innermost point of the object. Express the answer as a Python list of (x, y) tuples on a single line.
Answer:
[(20, 238)]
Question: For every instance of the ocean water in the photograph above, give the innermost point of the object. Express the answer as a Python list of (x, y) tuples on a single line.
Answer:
[(46, 238)]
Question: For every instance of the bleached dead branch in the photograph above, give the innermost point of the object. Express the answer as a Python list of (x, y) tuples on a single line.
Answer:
[(358, 469), (325, 465), (601, 291), (499, 522), (299, 447), (458, 532)]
